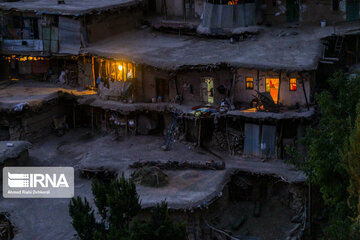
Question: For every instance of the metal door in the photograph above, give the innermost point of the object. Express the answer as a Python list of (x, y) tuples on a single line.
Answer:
[(251, 146), (268, 141)]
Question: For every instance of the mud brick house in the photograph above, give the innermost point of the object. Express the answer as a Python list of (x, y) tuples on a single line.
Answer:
[(255, 76), (226, 16), (40, 39), (211, 81)]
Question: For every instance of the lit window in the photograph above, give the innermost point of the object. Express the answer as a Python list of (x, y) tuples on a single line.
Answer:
[(249, 83), (292, 83), (125, 71)]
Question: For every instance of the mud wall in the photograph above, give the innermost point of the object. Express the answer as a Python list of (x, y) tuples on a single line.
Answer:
[(175, 8), (149, 88), (99, 27), (31, 125), (314, 11), (291, 98), (189, 83), (309, 12), (250, 207), (286, 97)]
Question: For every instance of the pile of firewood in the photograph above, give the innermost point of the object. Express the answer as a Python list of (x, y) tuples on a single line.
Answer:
[(220, 139)]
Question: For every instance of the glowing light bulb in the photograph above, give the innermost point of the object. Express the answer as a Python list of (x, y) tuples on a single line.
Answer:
[(120, 67)]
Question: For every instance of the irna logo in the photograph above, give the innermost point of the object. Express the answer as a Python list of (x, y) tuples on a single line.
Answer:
[(23, 180), (38, 182)]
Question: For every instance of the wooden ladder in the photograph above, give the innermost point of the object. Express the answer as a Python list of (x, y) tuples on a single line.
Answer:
[(338, 45)]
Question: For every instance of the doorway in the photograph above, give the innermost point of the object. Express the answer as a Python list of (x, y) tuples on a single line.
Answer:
[(207, 90), (162, 89), (352, 10), (251, 141), (292, 11), (189, 10), (272, 87)]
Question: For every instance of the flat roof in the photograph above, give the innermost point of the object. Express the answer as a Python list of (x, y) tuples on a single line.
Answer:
[(16, 95), (292, 49), (71, 7), (14, 151)]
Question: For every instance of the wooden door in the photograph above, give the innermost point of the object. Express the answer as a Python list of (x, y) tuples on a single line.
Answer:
[(352, 10), (292, 11)]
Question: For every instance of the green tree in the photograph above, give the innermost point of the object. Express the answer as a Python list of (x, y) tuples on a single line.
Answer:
[(160, 226), (351, 157), (83, 219), (118, 203), (325, 141)]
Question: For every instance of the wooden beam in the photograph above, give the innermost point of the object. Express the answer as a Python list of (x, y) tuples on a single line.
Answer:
[(278, 97), (303, 87)]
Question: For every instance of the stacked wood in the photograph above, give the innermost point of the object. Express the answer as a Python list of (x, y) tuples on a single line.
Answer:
[(235, 141), (220, 139)]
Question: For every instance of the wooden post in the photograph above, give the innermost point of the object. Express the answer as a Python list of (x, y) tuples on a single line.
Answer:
[(126, 125), (199, 132), (74, 120), (260, 139), (278, 98), (280, 138), (124, 70), (227, 136), (303, 87), (92, 119), (357, 50), (258, 80), (93, 70), (233, 90), (165, 9), (184, 9)]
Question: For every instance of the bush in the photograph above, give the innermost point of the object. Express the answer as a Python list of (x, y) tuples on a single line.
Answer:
[(118, 203)]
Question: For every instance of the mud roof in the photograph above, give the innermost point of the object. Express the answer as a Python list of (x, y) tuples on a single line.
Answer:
[(272, 49), (70, 7)]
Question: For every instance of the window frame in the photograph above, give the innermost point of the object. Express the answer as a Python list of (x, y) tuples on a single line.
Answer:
[(291, 84), (252, 83)]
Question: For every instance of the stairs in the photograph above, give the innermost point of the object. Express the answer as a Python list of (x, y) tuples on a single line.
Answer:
[(339, 42)]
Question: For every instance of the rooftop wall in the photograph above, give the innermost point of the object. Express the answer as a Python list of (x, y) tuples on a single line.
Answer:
[(229, 16), (103, 26)]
